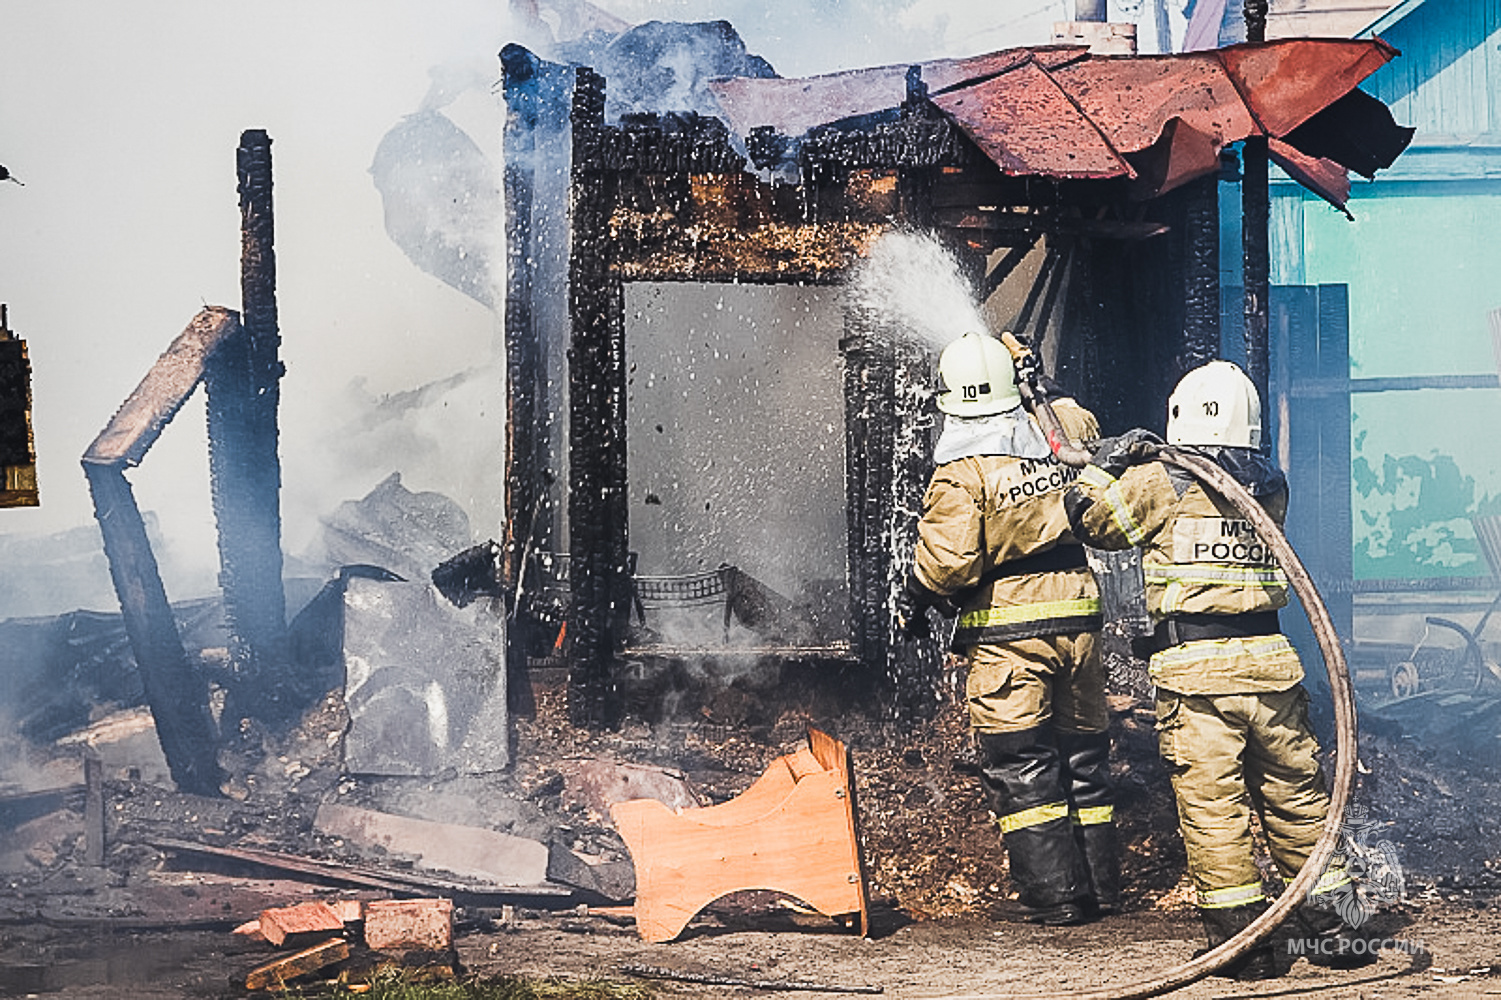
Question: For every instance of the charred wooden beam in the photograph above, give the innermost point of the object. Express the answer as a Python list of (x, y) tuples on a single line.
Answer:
[(681, 144), (1256, 209), (868, 381), (243, 386), (1029, 222), (908, 143), (523, 348), (146, 412), (397, 880), (93, 809), (599, 574), (914, 181), (177, 695)]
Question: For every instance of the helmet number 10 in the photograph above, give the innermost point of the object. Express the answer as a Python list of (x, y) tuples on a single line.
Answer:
[(1211, 408)]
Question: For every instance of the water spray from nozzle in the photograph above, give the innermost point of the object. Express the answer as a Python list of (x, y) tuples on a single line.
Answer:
[(913, 281)]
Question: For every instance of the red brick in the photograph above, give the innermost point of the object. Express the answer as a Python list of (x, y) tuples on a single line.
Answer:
[(402, 924), (351, 911), (299, 922)]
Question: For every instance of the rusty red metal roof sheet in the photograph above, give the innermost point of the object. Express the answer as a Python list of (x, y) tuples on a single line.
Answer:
[(1024, 119), (1058, 111)]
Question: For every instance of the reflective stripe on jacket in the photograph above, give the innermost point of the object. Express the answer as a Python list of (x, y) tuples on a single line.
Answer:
[(985, 511)]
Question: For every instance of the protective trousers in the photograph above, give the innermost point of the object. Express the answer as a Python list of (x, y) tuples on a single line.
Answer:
[(1038, 709), (1091, 807), (1228, 754), (1053, 680), (1023, 779)]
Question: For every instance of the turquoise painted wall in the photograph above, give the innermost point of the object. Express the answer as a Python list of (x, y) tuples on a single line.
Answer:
[(1423, 264)]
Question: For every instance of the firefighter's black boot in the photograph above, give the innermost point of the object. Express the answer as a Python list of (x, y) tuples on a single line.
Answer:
[(1321, 935), (1091, 799), (1022, 777), (1223, 923)]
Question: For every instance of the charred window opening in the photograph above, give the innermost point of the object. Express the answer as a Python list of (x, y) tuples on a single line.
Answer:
[(735, 455)]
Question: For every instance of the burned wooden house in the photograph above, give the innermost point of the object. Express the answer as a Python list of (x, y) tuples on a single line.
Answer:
[(1079, 194)]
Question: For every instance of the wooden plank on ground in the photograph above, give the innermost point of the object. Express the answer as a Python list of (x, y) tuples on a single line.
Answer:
[(363, 875), (305, 962)]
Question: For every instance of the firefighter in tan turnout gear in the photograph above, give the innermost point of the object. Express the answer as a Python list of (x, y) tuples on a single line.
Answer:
[(995, 547), (1232, 715)]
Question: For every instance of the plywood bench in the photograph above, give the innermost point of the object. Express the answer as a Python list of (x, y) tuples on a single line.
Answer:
[(793, 831)]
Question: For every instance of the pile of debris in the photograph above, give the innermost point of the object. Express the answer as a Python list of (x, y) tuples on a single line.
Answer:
[(414, 936)]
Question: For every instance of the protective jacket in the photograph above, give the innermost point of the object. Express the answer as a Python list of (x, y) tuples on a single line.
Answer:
[(1212, 583), (995, 538)]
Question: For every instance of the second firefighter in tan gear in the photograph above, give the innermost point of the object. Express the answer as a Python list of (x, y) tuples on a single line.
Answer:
[(994, 544), (1232, 714)]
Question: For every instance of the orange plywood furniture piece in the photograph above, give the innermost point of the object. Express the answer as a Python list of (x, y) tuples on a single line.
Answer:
[(793, 831)]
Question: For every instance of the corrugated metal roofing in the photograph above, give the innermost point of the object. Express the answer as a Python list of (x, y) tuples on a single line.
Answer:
[(1059, 111)]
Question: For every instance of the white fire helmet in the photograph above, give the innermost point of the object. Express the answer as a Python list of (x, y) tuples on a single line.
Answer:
[(1215, 404), (979, 376)]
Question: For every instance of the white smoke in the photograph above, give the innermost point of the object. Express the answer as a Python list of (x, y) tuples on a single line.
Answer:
[(129, 223)]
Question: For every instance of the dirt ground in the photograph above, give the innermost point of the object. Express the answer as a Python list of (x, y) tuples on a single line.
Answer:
[(935, 872), (1454, 950)]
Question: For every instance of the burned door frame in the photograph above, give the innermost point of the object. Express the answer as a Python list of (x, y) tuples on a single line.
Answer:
[(1144, 316)]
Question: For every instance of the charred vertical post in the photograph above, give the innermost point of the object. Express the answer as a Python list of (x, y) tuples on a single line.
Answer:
[(915, 181), (1256, 210), (93, 808), (888, 456), (243, 384), (526, 436), (597, 515), (1201, 276), (869, 381), (177, 695)]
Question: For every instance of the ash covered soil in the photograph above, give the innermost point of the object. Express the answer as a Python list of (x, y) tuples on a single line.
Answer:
[(936, 873)]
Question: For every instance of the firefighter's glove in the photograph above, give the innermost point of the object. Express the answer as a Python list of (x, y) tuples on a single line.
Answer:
[(912, 604), (1028, 371), (911, 617), (1116, 455)]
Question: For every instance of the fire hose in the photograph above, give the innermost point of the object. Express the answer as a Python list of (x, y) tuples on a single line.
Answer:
[(1302, 584)]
